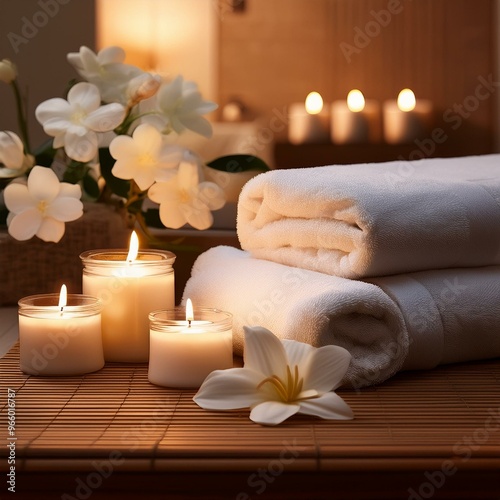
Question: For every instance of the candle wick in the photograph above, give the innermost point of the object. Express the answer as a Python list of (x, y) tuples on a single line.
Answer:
[(61, 313), (189, 323)]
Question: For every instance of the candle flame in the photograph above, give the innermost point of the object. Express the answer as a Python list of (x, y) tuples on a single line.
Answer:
[(314, 103), (133, 247), (406, 100), (355, 101), (63, 297), (189, 311)]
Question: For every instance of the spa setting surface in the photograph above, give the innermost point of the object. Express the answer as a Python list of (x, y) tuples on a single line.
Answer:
[(250, 249)]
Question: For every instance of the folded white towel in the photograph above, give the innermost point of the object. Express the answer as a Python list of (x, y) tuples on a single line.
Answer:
[(306, 306), (375, 219), (414, 321)]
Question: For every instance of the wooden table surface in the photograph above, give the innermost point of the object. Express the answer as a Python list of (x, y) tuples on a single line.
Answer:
[(112, 434)]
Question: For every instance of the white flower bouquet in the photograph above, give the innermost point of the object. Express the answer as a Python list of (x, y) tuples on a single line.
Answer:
[(114, 141)]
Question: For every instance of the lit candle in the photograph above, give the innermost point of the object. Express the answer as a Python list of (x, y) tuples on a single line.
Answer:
[(187, 345), (308, 122), (60, 334), (355, 120), (130, 285), (407, 118)]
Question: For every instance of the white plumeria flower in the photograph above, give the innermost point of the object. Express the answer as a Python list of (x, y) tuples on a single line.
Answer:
[(180, 107), (42, 206), (12, 154), (8, 71), (145, 157), (183, 199), (106, 70), (280, 379), (75, 123)]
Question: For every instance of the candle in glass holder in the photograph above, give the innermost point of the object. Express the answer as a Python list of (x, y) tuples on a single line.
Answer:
[(355, 120), (308, 122), (60, 334), (407, 118), (130, 285), (187, 345)]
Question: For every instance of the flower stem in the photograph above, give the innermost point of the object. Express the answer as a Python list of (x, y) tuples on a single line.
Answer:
[(21, 116)]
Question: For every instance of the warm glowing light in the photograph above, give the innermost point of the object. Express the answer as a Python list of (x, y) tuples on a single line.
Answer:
[(406, 100), (63, 297), (356, 100), (189, 311), (314, 103), (133, 248)]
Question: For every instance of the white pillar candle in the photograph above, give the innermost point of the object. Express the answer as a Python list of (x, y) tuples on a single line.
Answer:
[(59, 335), (407, 118), (184, 352), (355, 120), (308, 122), (130, 287)]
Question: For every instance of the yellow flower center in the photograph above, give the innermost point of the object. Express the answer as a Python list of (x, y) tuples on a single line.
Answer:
[(42, 206), (184, 196), (288, 390), (146, 159), (78, 116)]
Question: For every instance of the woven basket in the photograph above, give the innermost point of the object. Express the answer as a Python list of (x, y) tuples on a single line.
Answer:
[(34, 266)]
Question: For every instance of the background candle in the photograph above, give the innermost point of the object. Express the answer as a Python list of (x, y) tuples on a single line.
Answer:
[(60, 342), (356, 120), (407, 118), (308, 122), (183, 355), (129, 290)]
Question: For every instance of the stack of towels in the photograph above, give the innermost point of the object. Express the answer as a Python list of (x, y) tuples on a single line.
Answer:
[(397, 262)]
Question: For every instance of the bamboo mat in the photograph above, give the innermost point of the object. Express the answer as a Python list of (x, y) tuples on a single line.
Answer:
[(410, 423)]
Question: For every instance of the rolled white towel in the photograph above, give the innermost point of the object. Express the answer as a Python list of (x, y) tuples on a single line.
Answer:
[(413, 321), (306, 306), (359, 221)]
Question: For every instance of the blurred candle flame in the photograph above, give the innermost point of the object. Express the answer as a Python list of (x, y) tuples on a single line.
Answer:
[(406, 100), (314, 103), (356, 100)]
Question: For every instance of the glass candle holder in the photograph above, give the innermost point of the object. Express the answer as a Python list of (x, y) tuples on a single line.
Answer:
[(60, 341), (129, 291), (183, 353)]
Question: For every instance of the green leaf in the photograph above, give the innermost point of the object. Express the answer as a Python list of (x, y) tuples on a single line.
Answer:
[(45, 154), (238, 163), (90, 186), (119, 187)]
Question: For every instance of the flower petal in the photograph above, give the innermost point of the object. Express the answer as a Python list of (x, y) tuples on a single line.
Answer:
[(53, 109), (110, 55), (330, 406), (327, 367), (212, 195), (197, 124), (105, 118), (229, 389), (148, 138), (272, 412), (298, 353), (43, 184), (11, 150), (86, 95), (264, 352), (170, 93), (25, 225), (70, 190), (81, 147), (65, 209), (50, 230), (199, 217), (17, 198), (172, 216)]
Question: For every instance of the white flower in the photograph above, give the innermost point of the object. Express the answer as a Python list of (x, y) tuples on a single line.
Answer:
[(144, 157), (279, 379), (42, 206), (12, 152), (180, 105), (8, 71), (184, 200), (106, 70), (74, 123)]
